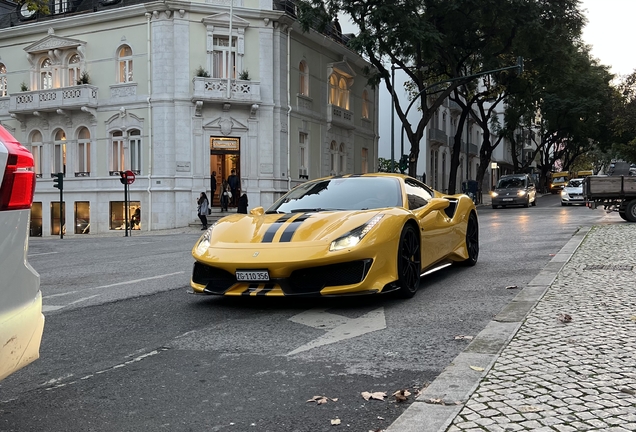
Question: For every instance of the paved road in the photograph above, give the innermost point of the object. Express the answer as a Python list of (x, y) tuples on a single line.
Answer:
[(125, 348)]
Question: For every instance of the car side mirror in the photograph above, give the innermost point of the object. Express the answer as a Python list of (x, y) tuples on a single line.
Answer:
[(257, 211)]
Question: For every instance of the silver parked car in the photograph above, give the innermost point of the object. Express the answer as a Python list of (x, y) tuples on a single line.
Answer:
[(514, 189), (572, 193), (21, 319)]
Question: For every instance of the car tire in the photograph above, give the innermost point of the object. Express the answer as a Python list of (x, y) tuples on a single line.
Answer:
[(494, 206), (534, 202), (472, 241), (563, 204), (630, 211), (409, 262), (527, 203), (622, 215)]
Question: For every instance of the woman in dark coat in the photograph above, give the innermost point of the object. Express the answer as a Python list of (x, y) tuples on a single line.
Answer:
[(242, 204), (202, 210)]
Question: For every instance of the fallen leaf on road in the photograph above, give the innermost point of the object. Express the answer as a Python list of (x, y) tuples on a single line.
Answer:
[(628, 391), (462, 337), (529, 409), (477, 368), (335, 422), (436, 401), (375, 395), (564, 318), (511, 287), (321, 399), (401, 395), (633, 318)]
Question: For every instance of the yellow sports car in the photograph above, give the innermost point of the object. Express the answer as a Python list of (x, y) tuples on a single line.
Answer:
[(348, 235)]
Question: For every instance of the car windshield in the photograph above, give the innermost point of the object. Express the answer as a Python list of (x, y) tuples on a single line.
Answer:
[(350, 193), (575, 183), (511, 182), (558, 180)]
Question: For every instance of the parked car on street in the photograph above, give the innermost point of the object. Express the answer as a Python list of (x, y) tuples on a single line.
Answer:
[(514, 189), (572, 193), (21, 319), (338, 236)]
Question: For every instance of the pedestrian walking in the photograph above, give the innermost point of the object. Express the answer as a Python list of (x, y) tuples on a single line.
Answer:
[(242, 204), (203, 207), (212, 188), (233, 182)]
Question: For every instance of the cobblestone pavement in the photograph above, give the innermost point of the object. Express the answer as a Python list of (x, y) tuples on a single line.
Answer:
[(572, 364)]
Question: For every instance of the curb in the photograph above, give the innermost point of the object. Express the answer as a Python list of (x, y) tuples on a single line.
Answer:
[(438, 405)]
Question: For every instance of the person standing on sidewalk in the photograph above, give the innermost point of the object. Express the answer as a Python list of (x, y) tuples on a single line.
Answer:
[(233, 182), (202, 210), (212, 187)]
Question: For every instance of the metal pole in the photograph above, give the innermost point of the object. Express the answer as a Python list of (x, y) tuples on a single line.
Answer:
[(467, 147), (126, 208), (62, 221), (392, 117)]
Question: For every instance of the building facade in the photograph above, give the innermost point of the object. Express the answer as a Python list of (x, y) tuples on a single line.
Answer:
[(175, 91)]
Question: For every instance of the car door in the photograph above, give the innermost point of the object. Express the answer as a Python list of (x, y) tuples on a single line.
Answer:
[(433, 221)]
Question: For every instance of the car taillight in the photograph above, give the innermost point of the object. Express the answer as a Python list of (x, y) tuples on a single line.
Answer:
[(18, 182)]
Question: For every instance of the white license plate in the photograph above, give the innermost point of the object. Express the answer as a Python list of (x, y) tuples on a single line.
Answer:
[(577, 198), (508, 199), (252, 275)]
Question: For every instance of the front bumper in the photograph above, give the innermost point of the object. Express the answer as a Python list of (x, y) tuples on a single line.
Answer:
[(508, 200)]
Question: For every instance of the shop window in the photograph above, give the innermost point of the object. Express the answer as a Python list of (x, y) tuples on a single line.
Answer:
[(82, 217), (35, 228), (55, 218), (118, 214)]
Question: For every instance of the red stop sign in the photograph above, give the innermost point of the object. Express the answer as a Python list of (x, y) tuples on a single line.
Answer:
[(128, 176)]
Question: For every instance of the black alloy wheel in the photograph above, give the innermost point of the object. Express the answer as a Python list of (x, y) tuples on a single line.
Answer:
[(472, 241), (409, 262)]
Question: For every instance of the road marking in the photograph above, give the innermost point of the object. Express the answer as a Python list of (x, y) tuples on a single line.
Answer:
[(117, 284), (42, 253), (49, 308), (340, 328)]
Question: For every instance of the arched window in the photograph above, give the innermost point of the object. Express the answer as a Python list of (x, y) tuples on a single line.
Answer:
[(36, 150), (46, 74), (74, 71), (303, 78), (343, 97), (125, 64), (333, 89), (342, 155), (59, 152), (333, 153), (83, 167), (365, 104), (3, 80)]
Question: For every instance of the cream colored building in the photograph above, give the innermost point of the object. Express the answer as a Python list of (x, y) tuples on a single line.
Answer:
[(156, 88)]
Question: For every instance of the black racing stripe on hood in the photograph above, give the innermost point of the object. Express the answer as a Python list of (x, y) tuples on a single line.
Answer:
[(292, 227), (271, 231)]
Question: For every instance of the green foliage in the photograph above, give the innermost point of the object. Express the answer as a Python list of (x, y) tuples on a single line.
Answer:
[(244, 75), (41, 6), (200, 72), (384, 165), (24, 87), (84, 78)]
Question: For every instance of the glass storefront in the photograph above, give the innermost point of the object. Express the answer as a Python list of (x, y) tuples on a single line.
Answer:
[(118, 215), (82, 217), (35, 229), (55, 217)]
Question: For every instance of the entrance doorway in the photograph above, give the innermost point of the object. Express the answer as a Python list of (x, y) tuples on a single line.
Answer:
[(225, 156)]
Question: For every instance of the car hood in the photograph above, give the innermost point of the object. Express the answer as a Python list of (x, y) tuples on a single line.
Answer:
[(573, 190), (508, 191), (287, 228)]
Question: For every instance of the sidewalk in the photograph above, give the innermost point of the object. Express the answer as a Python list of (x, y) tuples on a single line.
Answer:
[(560, 357)]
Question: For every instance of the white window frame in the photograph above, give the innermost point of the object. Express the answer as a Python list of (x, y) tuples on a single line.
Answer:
[(224, 64), (46, 74), (36, 150), (338, 90), (365, 104), (60, 6), (83, 152), (3, 80), (74, 72), (59, 152), (124, 64), (303, 155), (303, 78), (134, 150), (125, 151), (117, 153)]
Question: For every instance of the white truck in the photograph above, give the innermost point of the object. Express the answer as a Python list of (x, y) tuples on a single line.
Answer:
[(613, 193)]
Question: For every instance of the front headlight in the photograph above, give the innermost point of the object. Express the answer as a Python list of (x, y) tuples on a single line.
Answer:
[(494, 194), (521, 193), (563, 193), (353, 237), (204, 241)]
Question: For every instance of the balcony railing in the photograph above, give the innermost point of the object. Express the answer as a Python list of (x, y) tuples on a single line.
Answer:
[(68, 98), (340, 117), (437, 136), (215, 90)]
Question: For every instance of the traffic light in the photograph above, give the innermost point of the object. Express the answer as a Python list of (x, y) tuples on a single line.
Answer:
[(404, 163), (58, 181)]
